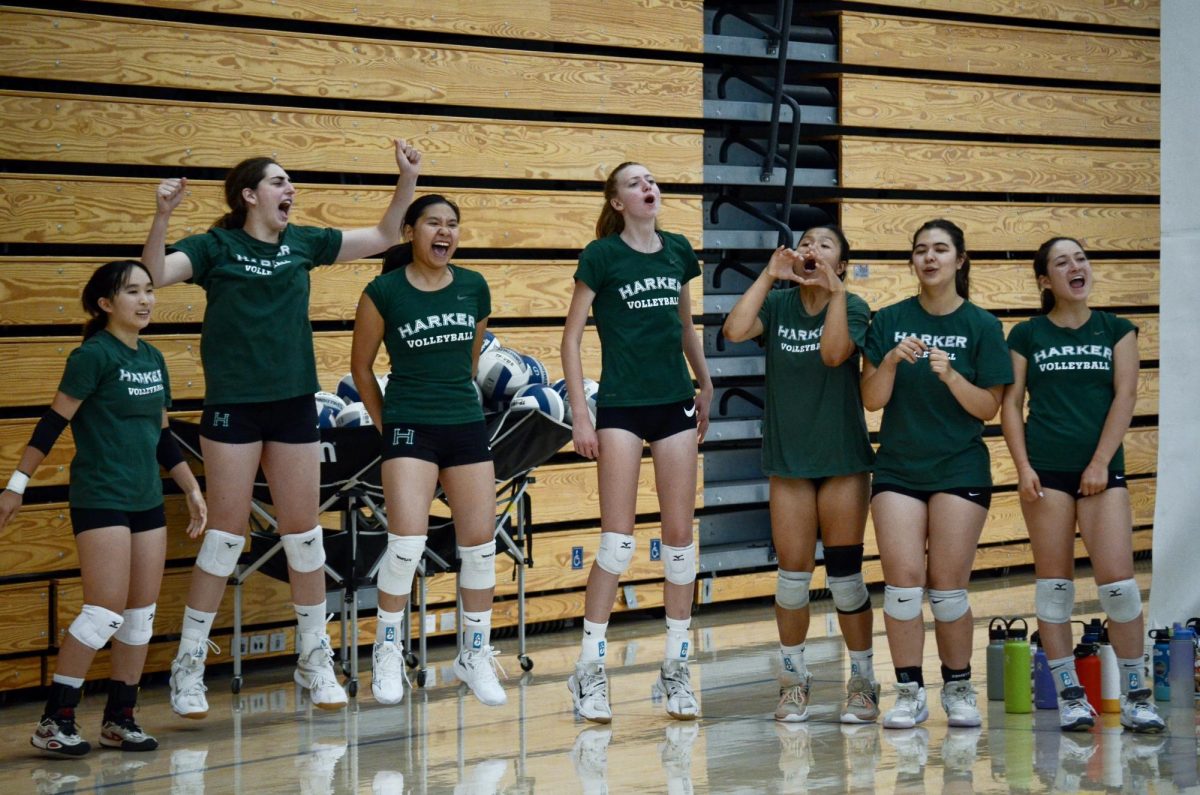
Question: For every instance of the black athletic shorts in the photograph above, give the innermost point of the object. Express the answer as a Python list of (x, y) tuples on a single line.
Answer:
[(980, 495), (137, 521), (444, 445), (649, 423), (291, 421), (1069, 481)]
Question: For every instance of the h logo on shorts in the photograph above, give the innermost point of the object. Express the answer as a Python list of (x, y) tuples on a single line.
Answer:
[(408, 437), (220, 419)]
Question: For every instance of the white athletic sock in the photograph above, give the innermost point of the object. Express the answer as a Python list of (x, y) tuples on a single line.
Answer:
[(677, 638), (476, 630), (594, 645), (70, 681), (1132, 674), (196, 625), (794, 669), (310, 619), (387, 628), (862, 663), (1063, 671)]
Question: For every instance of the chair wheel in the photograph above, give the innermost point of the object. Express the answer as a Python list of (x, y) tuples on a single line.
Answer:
[(353, 688), (411, 660), (420, 678), (235, 685), (526, 662)]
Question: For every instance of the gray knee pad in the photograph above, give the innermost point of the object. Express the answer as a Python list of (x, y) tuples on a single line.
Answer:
[(1054, 600), (1121, 600), (400, 563), (902, 604), (616, 552), (305, 551), (95, 625), (138, 626), (478, 572), (948, 605), (219, 552), (850, 594), (679, 564), (791, 589)]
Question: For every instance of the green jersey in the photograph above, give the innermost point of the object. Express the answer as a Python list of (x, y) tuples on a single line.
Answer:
[(429, 337), (927, 440), (1069, 375), (116, 428), (637, 314), (257, 343), (813, 424)]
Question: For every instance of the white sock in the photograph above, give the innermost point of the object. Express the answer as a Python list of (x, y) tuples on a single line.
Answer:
[(793, 662), (310, 619), (476, 630), (1063, 671), (1132, 673), (677, 638), (387, 628), (70, 681), (594, 645), (197, 625), (862, 663)]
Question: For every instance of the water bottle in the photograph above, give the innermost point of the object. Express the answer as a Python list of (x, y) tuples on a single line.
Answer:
[(1181, 676), (1161, 663), (1045, 696), (997, 631), (1194, 625), (1087, 664), (1110, 675), (1018, 695)]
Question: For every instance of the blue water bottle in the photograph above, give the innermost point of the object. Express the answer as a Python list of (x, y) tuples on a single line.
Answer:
[(1161, 663), (1044, 694)]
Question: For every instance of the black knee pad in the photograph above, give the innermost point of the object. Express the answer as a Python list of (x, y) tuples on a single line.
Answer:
[(843, 561)]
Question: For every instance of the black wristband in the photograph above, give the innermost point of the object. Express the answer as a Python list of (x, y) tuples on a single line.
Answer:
[(168, 453), (47, 431)]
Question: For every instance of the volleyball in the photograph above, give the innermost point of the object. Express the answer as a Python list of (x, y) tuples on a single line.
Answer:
[(329, 406), (590, 388), (541, 398), (353, 416), (490, 341), (348, 392), (502, 372), (538, 374)]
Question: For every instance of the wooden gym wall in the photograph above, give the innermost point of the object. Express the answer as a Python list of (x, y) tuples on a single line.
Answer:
[(520, 109)]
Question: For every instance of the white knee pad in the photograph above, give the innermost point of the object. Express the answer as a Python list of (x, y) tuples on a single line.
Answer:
[(616, 552), (138, 626), (219, 552), (679, 564), (1054, 600), (95, 625), (948, 605), (902, 604), (400, 564), (850, 594), (305, 551), (1121, 600), (791, 589), (478, 572)]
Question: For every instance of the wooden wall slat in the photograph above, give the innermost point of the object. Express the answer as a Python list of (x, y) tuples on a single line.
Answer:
[(45, 290), (1123, 13), (97, 49), (96, 210), (974, 48), (950, 106), (80, 129), (675, 25), (884, 225), (24, 617), (904, 164), (1008, 284)]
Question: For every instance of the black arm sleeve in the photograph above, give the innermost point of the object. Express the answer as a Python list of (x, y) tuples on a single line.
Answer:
[(47, 431), (168, 453)]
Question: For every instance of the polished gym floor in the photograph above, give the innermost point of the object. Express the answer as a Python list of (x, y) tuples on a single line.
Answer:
[(440, 739)]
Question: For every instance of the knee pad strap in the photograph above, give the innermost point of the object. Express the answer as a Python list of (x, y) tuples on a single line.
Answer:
[(616, 552), (400, 563), (478, 572), (948, 605), (305, 551), (902, 604), (219, 552), (95, 625), (791, 589), (138, 626), (1121, 600), (1054, 600)]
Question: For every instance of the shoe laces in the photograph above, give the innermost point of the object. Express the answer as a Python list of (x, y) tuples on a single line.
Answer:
[(593, 682), (484, 662), (677, 679), (793, 694), (64, 719), (860, 693), (907, 699), (958, 694)]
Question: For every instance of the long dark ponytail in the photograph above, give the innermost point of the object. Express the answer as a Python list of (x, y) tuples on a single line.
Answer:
[(962, 277), (246, 174), (105, 282), (1041, 267)]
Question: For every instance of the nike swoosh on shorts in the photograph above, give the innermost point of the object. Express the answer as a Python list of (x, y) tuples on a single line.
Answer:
[(690, 412)]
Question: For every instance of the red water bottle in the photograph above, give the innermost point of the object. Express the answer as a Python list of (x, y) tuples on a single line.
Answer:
[(1087, 665)]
